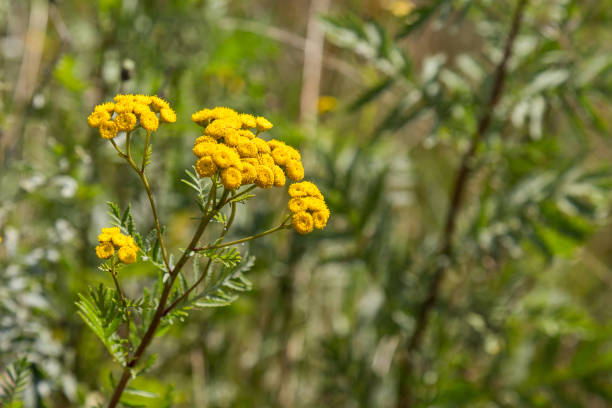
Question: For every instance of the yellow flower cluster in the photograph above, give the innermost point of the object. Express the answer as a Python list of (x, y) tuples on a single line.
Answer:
[(112, 239), (229, 147), (308, 207), (129, 112)]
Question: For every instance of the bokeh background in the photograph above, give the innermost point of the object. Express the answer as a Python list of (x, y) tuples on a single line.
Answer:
[(382, 97)]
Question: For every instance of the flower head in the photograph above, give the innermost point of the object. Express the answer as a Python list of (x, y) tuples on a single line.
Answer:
[(302, 222), (127, 254), (125, 121), (263, 124), (105, 250), (231, 178), (308, 207), (108, 129), (149, 121)]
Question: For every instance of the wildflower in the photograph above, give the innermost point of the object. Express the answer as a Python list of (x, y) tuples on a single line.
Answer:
[(158, 103), (248, 121), (143, 99), (327, 103), (203, 139), (219, 128), (247, 149), (97, 118), (246, 133), (105, 250), (111, 230), (205, 149), (124, 107), (222, 112), (119, 240), (266, 160), (105, 237), (125, 121), (302, 222), (265, 176), (106, 107), (263, 124), (141, 109), (280, 155), (249, 173), (108, 129), (262, 146), (231, 178), (273, 143), (167, 115), (127, 254), (279, 177), (295, 170), (315, 203), (206, 167), (231, 137), (320, 218), (308, 207), (149, 121), (225, 157), (298, 204)]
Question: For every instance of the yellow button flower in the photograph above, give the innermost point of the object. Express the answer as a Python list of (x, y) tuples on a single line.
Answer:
[(248, 121), (105, 250), (206, 167), (108, 129), (265, 176), (167, 115), (125, 121), (279, 176), (231, 178), (97, 118), (263, 124), (295, 170), (149, 121), (127, 254), (249, 173), (302, 222)]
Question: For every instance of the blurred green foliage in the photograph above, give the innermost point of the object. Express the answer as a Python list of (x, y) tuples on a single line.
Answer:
[(523, 318)]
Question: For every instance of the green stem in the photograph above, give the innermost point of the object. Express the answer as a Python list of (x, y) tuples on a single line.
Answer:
[(205, 272), (239, 241), (122, 297), (144, 154), (159, 312)]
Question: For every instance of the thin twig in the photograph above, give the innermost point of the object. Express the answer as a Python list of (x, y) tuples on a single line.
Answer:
[(446, 248)]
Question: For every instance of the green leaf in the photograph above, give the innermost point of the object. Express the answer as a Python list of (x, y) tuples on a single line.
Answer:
[(102, 312), (13, 382), (223, 290), (418, 17), (371, 94)]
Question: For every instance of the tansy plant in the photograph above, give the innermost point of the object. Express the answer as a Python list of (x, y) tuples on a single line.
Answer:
[(231, 161)]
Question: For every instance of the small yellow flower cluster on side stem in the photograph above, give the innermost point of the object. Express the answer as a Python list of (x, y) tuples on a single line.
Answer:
[(308, 207), (112, 239), (229, 148), (129, 112)]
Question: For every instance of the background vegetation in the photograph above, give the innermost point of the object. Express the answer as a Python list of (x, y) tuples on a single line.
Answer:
[(427, 288)]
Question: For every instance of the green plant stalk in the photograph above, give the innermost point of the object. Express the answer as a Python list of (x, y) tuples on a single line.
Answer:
[(159, 312), (206, 268), (143, 177), (252, 237), (122, 297)]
